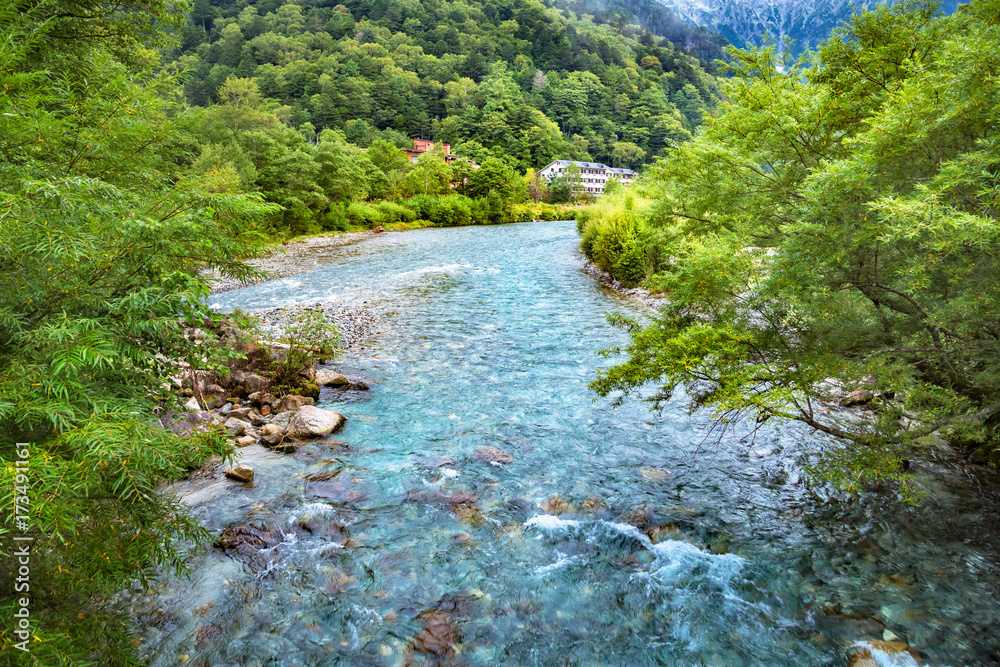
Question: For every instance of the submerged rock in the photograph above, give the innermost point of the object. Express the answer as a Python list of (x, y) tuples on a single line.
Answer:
[(867, 654), (494, 455), (245, 538), (313, 422)]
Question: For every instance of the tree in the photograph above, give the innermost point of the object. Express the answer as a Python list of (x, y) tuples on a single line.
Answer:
[(835, 230), (495, 181), (429, 175), (626, 154), (536, 187), (102, 240)]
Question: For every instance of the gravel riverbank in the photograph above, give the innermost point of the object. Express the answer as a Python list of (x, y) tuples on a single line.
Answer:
[(356, 325), (286, 260)]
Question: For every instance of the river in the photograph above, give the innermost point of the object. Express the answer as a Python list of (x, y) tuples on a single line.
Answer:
[(611, 537)]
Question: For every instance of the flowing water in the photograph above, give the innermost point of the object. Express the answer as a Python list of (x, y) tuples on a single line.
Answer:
[(613, 536)]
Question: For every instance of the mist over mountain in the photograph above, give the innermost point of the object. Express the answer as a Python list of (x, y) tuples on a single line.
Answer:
[(746, 22)]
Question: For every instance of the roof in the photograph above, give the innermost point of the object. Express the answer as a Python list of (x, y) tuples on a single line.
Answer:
[(590, 165)]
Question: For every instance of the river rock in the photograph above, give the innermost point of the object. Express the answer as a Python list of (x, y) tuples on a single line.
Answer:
[(313, 422), (291, 403), (857, 397), (327, 378), (253, 383), (245, 440), (239, 413), (253, 536), (193, 405), (240, 473), (235, 426), (272, 429), (261, 398), (866, 653), (494, 455), (214, 401), (215, 389), (282, 419)]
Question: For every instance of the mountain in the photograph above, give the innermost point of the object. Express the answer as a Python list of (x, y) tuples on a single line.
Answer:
[(745, 22)]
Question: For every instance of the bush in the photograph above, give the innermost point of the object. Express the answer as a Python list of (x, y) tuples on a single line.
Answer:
[(443, 210), (335, 220), (616, 237)]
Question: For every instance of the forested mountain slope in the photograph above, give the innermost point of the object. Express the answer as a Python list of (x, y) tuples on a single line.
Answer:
[(521, 79)]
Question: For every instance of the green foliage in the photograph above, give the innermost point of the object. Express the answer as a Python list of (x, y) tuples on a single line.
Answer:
[(618, 238), (530, 82), (311, 338), (102, 239), (835, 225)]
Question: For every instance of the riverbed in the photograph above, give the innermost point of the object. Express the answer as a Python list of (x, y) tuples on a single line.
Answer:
[(587, 535)]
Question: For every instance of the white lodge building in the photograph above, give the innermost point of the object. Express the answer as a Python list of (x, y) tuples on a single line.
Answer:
[(593, 175)]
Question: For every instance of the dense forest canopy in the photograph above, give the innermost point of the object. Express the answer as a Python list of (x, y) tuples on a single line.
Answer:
[(517, 79)]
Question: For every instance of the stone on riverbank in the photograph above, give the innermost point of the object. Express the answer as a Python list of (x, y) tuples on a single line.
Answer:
[(857, 397), (313, 422), (260, 399), (236, 426), (327, 378), (240, 473), (245, 440), (291, 403)]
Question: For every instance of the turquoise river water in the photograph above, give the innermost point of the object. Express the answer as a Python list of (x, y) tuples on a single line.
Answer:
[(612, 537)]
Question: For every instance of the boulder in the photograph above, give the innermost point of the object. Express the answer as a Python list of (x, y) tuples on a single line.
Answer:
[(261, 398), (857, 397), (358, 386), (193, 405), (272, 439), (226, 409), (313, 422), (240, 473), (331, 379), (239, 413), (215, 389), (235, 426), (271, 429), (291, 402), (245, 440), (282, 419), (213, 401), (253, 383)]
